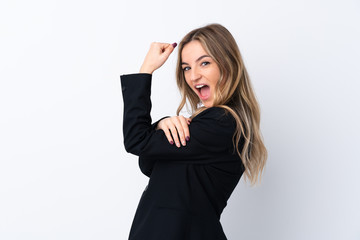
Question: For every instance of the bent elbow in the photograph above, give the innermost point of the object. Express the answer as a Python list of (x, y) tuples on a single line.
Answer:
[(135, 143), (131, 148)]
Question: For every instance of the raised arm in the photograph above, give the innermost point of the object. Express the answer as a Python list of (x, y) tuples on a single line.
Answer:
[(211, 130)]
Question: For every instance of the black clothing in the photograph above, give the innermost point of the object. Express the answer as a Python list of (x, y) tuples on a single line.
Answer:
[(188, 186)]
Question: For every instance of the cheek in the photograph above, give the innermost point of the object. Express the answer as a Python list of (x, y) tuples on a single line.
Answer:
[(215, 77), (188, 82)]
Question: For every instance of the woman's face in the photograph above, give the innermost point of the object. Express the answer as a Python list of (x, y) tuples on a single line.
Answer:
[(200, 71)]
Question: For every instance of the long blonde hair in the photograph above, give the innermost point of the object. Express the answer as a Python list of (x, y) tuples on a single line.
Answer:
[(233, 93)]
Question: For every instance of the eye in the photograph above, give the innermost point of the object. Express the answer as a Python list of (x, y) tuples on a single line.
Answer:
[(205, 63), (186, 69)]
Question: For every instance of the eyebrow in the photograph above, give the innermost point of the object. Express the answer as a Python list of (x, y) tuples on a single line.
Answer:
[(203, 56)]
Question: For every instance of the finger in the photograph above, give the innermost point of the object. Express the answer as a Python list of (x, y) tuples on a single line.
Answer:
[(168, 135), (163, 126), (168, 46), (168, 49), (179, 126), (174, 134), (185, 127)]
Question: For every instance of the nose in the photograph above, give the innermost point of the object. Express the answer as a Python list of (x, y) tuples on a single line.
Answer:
[(195, 75)]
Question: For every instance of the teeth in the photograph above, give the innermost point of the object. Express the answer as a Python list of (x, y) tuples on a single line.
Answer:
[(200, 86)]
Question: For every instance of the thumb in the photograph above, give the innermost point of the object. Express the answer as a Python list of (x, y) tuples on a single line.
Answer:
[(169, 49)]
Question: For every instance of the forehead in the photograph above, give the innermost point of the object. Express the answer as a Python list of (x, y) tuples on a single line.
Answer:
[(192, 51)]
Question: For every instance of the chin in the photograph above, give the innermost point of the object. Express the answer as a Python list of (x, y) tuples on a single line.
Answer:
[(207, 105)]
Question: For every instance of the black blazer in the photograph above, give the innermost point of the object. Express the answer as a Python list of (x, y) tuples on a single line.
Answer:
[(188, 186)]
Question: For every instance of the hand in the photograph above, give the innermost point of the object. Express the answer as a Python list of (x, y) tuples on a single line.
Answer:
[(175, 127), (156, 56)]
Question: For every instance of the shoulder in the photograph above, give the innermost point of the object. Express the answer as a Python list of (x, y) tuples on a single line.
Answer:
[(215, 120), (215, 114)]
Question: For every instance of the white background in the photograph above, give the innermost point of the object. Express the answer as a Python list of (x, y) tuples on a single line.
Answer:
[(64, 173)]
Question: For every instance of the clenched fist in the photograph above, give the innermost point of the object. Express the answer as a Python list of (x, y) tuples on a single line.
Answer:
[(156, 56)]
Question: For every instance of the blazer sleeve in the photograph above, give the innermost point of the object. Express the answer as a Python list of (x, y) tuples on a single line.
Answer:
[(211, 131)]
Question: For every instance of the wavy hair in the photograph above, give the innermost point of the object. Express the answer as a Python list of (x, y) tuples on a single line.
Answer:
[(233, 93)]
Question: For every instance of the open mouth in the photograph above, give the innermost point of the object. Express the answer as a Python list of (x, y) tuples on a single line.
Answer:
[(203, 91)]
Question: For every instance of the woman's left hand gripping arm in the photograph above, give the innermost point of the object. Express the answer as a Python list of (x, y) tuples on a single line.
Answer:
[(176, 129)]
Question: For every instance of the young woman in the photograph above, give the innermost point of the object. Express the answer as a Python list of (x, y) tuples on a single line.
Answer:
[(193, 163)]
